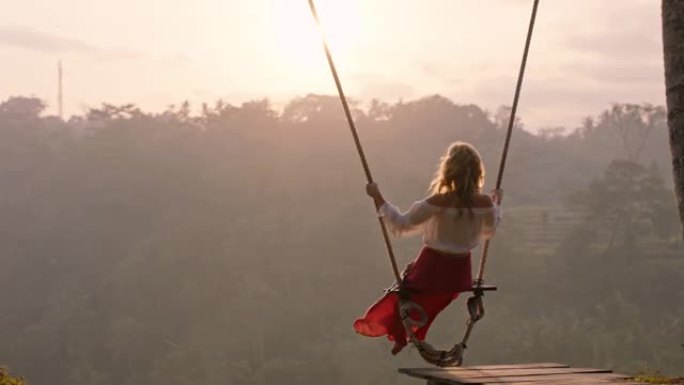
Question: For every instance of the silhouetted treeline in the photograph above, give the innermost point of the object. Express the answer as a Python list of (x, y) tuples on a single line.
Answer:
[(236, 245)]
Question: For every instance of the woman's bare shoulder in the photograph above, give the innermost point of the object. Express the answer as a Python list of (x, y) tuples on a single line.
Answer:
[(483, 201), (444, 200), (440, 200)]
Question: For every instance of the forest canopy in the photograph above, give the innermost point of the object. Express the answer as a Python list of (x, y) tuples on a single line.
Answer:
[(235, 244)]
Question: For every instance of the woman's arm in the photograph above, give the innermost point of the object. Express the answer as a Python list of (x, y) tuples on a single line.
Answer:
[(400, 224), (491, 219)]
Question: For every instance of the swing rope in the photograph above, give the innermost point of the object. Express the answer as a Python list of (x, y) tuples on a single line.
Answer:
[(357, 142), (454, 356), (509, 131)]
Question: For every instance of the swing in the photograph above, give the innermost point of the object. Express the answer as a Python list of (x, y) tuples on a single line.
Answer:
[(407, 308)]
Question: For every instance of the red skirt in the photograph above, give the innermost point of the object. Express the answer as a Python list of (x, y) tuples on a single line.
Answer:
[(433, 279)]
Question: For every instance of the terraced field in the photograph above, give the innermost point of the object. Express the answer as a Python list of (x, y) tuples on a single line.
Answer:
[(542, 228), (539, 230)]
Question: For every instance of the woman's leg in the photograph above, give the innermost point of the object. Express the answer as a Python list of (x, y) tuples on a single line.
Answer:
[(432, 304)]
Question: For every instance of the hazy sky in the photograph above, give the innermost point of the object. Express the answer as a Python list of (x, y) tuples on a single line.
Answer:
[(586, 54)]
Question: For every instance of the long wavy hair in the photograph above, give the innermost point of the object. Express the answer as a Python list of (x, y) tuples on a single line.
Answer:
[(460, 173)]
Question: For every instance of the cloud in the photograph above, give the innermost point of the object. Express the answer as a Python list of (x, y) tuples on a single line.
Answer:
[(617, 56), (629, 33), (32, 39), (631, 43), (624, 73), (28, 38)]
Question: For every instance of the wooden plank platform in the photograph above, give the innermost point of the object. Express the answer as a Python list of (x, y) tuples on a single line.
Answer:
[(522, 374)]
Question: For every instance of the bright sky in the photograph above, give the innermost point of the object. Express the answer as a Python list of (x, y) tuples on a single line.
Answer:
[(585, 54)]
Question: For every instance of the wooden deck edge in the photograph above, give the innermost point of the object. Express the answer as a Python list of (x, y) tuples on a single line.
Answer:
[(520, 374), (493, 367)]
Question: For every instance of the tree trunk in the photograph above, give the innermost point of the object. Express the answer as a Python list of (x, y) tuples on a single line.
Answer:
[(673, 45)]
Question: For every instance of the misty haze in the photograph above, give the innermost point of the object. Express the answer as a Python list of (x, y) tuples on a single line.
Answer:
[(217, 230)]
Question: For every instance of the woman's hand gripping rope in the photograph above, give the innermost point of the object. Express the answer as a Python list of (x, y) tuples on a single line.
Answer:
[(497, 195), (373, 191)]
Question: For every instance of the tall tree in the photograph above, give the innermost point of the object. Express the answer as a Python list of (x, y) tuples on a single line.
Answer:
[(673, 45)]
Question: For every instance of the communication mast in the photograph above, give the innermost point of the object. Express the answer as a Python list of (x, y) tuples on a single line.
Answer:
[(60, 99)]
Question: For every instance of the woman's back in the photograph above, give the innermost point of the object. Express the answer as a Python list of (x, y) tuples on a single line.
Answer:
[(457, 229), (446, 223)]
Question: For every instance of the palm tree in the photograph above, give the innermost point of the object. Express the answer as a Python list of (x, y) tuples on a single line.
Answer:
[(673, 45)]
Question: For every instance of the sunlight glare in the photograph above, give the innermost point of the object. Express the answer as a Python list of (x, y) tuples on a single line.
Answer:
[(297, 39)]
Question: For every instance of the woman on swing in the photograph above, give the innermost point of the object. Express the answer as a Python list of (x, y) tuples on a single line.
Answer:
[(453, 220)]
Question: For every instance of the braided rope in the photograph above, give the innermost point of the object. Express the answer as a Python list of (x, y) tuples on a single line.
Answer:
[(427, 352)]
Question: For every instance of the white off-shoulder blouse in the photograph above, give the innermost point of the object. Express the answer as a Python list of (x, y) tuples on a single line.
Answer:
[(447, 229)]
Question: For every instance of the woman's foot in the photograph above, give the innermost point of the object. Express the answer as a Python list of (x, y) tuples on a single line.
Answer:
[(397, 347)]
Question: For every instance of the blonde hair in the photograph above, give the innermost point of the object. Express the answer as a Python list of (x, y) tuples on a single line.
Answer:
[(460, 172)]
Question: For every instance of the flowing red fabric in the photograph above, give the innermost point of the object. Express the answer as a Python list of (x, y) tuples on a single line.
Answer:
[(433, 279)]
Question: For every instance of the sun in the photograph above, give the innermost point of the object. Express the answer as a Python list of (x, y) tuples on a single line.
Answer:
[(297, 39)]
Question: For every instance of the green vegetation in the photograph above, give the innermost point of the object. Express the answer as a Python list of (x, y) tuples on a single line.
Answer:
[(237, 246), (7, 379), (651, 377)]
